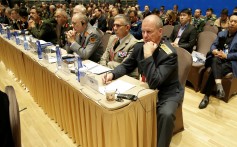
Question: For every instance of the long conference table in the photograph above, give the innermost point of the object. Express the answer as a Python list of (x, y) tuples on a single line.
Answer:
[(76, 109)]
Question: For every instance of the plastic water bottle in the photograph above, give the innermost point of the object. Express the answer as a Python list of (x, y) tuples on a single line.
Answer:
[(59, 57), (17, 38), (1, 29), (8, 33), (26, 44), (39, 49), (79, 65)]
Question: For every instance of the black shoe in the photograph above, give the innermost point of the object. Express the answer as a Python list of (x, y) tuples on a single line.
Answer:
[(204, 102), (220, 94)]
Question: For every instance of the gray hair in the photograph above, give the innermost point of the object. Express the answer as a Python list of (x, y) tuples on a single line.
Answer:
[(62, 12), (124, 18), (79, 9), (80, 16)]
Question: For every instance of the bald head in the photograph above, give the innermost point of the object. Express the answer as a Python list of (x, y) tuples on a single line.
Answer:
[(155, 20), (152, 29)]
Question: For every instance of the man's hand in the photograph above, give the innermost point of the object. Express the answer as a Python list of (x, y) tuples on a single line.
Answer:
[(71, 36), (215, 52), (31, 23), (107, 78), (149, 48), (222, 55)]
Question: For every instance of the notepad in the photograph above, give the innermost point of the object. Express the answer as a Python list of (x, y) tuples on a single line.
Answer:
[(96, 68)]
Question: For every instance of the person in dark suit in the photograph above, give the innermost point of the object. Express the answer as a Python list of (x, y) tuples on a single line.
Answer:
[(184, 34), (41, 29), (85, 40), (157, 61), (222, 60), (98, 20)]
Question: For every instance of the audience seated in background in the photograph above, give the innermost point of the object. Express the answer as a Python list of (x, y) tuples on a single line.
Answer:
[(223, 21), (85, 40), (136, 25), (170, 18), (114, 12), (79, 9), (156, 12), (197, 21), (222, 60), (146, 11), (184, 34), (120, 45), (209, 15), (98, 20), (15, 17)]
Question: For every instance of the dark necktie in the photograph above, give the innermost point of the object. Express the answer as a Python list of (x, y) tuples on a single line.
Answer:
[(116, 44)]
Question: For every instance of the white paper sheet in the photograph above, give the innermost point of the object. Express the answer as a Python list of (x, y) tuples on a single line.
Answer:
[(120, 85)]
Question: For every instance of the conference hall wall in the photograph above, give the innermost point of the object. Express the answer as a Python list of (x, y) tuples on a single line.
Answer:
[(217, 5)]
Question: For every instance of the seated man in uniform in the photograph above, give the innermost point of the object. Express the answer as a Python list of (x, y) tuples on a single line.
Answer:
[(62, 26), (120, 45), (222, 60), (41, 29), (85, 40), (157, 61)]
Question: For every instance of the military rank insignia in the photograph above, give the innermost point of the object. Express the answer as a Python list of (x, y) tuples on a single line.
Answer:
[(166, 48), (92, 40)]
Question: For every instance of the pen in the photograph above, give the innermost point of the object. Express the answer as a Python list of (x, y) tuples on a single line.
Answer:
[(105, 77)]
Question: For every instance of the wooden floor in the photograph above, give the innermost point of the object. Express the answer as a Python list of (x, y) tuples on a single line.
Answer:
[(215, 126)]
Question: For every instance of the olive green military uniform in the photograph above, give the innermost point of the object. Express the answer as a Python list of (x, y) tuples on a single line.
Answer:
[(45, 32)]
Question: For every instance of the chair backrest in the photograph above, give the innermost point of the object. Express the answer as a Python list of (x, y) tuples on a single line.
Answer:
[(211, 28), (185, 63), (205, 40), (14, 116), (209, 23), (105, 40), (167, 30)]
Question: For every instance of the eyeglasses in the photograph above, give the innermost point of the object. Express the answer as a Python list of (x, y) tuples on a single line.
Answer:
[(118, 25), (57, 16)]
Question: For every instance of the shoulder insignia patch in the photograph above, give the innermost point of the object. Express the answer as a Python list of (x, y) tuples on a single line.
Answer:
[(92, 40), (166, 49)]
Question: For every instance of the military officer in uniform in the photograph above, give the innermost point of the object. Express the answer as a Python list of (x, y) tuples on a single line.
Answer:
[(85, 40), (41, 29), (157, 61), (197, 21), (62, 26), (120, 45)]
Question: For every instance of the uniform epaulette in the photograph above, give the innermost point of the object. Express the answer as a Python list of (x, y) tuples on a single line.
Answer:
[(86, 33), (166, 49)]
